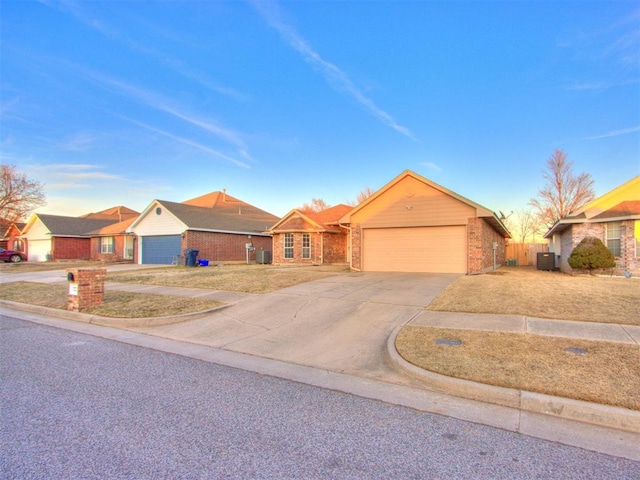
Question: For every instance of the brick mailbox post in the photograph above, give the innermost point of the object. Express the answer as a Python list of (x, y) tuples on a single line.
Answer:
[(86, 288)]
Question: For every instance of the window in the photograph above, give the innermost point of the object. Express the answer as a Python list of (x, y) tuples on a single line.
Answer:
[(306, 245), (288, 245), (106, 244), (613, 238), (18, 245)]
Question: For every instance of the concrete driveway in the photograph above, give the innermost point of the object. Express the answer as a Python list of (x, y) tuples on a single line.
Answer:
[(338, 323)]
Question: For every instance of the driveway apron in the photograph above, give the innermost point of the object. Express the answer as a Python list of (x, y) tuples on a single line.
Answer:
[(339, 323)]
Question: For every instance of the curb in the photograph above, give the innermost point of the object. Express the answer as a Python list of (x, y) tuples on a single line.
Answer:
[(110, 321), (592, 413)]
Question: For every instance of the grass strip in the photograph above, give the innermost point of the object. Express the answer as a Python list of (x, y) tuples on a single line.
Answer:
[(116, 304), (609, 373)]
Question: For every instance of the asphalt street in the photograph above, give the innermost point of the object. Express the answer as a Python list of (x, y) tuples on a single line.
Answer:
[(79, 406)]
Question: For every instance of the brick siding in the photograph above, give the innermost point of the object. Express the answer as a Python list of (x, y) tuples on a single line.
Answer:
[(480, 239), (118, 250), (326, 248), (90, 284), (68, 248), (224, 247), (627, 261)]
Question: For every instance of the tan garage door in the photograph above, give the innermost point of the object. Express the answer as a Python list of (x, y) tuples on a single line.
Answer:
[(423, 249)]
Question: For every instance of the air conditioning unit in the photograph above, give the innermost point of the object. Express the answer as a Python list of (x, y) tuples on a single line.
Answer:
[(546, 261), (263, 256)]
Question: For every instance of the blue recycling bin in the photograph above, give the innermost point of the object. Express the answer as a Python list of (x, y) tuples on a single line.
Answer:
[(190, 256)]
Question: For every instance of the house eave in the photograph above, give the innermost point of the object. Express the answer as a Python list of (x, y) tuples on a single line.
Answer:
[(258, 233), (563, 224)]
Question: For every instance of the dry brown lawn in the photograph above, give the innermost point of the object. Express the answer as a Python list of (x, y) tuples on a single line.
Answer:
[(29, 267), (116, 303), (535, 293), (608, 373), (237, 278)]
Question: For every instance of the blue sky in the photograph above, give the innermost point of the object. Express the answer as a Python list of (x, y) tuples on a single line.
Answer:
[(110, 103)]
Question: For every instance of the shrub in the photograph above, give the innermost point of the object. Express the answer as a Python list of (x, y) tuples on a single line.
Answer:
[(591, 254)]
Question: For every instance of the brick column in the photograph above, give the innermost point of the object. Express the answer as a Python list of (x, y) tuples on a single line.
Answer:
[(86, 288)]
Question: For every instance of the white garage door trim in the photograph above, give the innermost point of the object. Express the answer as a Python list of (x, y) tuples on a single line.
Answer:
[(415, 249)]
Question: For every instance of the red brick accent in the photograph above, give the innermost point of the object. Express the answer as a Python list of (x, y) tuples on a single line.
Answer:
[(70, 248), (90, 282), (356, 247), (118, 250), (224, 247), (326, 248), (480, 239)]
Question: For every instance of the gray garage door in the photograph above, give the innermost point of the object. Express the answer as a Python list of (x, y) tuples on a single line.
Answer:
[(160, 249)]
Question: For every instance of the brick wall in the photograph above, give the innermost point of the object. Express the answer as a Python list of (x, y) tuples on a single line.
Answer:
[(480, 239), (90, 288), (326, 248), (356, 247), (224, 247), (118, 250), (627, 261), (335, 247), (68, 248)]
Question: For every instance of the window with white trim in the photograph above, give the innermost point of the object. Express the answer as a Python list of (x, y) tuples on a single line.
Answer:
[(106, 245), (288, 245), (306, 245), (613, 238)]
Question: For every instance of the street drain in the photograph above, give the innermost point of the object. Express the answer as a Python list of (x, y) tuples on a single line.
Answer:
[(452, 343), (577, 351)]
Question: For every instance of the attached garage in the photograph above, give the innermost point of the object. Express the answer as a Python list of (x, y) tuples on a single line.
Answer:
[(38, 250), (416, 249), (415, 225), (160, 249)]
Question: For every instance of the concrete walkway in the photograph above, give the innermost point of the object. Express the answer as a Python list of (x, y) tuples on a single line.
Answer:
[(345, 326)]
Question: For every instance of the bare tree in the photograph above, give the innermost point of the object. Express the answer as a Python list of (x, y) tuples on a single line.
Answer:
[(563, 192), (19, 196), (316, 205), (523, 225), (364, 194)]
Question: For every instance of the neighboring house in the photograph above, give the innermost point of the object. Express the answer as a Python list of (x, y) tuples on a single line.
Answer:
[(218, 225), (113, 243), (11, 237), (415, 225), (614, 218), (303, 237), (57, 237), (117, 214)]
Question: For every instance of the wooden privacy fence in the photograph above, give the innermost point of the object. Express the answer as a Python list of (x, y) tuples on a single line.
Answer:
[(524, 254)]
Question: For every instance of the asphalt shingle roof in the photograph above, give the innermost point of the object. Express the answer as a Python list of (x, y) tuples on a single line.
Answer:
[(72, 226), (230, 216)]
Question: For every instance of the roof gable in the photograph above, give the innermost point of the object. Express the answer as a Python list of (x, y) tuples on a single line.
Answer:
[(117, 214), (408, 181), (300, 220)]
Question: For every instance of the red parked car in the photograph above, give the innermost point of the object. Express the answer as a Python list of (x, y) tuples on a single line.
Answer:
[(11, 256)]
